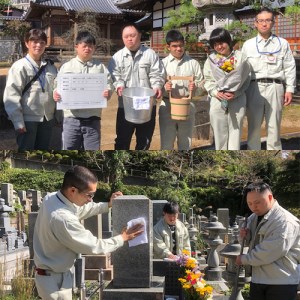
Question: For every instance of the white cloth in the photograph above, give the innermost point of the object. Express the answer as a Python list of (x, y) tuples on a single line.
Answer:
[(142, 238)]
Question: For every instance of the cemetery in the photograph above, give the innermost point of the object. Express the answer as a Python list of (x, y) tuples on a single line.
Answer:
[(130, 272)]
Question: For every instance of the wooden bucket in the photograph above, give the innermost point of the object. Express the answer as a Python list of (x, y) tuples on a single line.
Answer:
[(180, 107)]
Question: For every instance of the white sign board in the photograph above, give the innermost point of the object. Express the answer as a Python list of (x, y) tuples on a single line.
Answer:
[(81, 91)]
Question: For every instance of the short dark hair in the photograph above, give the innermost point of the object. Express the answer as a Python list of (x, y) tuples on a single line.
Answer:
[(85, 37), (35, 35), (265, 9), (220, 35), (171, 207), (174, 36), (79, 177), (258, 187), (132, 25)]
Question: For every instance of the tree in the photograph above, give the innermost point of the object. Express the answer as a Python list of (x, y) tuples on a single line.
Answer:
[(185, 15), (293, 12), (88, 21), (240, 32), (4, 4), (17, 29), (112, 164)]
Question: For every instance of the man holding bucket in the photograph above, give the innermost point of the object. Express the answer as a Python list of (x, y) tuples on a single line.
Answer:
[(177, 113), (135, 66)]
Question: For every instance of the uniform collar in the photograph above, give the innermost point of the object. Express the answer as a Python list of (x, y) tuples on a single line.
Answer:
[(172, 58), (89, 63), (270, 39), (73, 207), (33, 62), (127, 52)]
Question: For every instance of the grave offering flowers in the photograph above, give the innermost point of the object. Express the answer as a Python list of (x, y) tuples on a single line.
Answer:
[(230, 73), (192, 282)]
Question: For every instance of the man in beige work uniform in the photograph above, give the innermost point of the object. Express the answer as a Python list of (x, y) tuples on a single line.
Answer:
[(273, 81), (59, 236)]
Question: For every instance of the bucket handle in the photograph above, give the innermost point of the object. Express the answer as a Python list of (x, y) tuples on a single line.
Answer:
[(190, 78)]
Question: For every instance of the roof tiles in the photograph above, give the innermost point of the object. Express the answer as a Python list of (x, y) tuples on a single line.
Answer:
[(96, 6)]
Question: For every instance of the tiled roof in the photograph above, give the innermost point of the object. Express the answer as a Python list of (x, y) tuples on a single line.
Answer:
[(97, 6)]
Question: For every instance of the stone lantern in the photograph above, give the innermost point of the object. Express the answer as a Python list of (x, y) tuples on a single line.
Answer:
[(234, 275), (213, 272)]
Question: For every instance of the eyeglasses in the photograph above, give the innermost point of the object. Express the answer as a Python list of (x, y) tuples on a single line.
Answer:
[(260, 21), (90, 195), (258, 187)]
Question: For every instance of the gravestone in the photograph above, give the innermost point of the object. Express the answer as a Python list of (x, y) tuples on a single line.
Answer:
[(132, 267), (106, 225), (36, 200), (7, 193), (31, 222), (223, 217), (94, 225), (182, 218), (158, 206)]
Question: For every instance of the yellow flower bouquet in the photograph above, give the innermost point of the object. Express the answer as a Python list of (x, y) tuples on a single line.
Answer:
[(192, 282)]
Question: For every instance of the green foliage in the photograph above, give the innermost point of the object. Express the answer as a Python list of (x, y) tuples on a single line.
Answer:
[(24, 179), (240, 32), (4, 165), (4, 4), (292, 12), (186, 14)]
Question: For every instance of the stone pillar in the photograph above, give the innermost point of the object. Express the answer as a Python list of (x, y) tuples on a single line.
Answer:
[(213, 272), (7, 193), (158, 206), (106, 225), (31, 222), (94, 225), (132, 265), (36, 200)]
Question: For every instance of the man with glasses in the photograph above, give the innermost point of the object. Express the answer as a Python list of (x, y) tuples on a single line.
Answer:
[(273, 235), (273, 81), (59, 235)]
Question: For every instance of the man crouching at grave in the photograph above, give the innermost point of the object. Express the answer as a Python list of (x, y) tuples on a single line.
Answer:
[(59, 236), (170, 235)]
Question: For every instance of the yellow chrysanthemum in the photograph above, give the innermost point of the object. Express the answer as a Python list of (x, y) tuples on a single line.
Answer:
[(186, 252)]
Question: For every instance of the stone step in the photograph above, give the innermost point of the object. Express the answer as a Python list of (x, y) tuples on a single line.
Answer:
[(93, 274), (97, 261)]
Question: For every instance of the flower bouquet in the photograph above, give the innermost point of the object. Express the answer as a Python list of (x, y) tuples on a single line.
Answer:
[(230, 73), (192, 282)]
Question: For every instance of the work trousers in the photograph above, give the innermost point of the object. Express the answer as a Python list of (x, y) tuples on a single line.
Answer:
[(172, 129), (272, 292), (264, 101), (125, 130), (37, 135), (81, 133), (227, 127), (54, 286)]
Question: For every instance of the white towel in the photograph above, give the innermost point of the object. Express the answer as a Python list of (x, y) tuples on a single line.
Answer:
[(142, 238)]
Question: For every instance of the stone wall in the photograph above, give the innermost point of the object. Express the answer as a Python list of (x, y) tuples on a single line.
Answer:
[(8, 48)]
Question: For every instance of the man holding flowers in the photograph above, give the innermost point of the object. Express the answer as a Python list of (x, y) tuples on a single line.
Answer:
[(227, 76)]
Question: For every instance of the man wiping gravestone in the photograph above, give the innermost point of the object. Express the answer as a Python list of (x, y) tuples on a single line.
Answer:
[(59, 236), (170, 235)]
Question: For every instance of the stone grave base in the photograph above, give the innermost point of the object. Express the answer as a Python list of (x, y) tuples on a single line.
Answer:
[(155, 292)]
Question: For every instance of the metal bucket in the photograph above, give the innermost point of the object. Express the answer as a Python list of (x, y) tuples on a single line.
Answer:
[(138, 103)]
